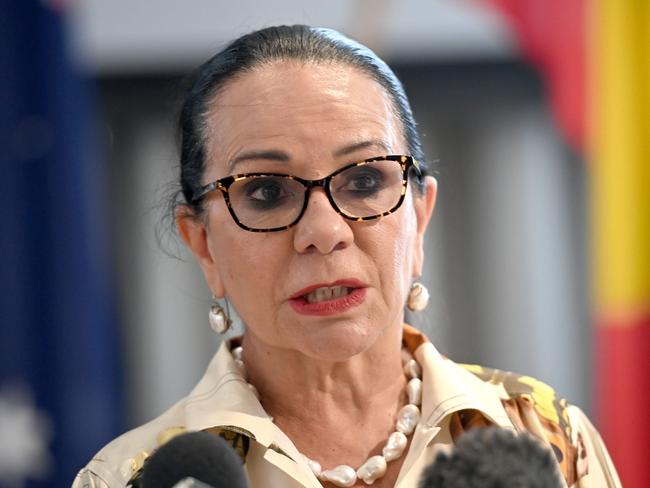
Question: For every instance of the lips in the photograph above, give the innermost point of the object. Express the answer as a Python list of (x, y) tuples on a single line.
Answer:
[(327, 293), (329, 298), (347, 282)]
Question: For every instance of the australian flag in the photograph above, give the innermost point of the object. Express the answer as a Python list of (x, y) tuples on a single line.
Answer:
[(59, 378)]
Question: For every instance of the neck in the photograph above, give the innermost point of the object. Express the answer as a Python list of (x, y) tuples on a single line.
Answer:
[(300, 389)]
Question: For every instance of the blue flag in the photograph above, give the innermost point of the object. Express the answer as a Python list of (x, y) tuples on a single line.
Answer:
[(59, 378)]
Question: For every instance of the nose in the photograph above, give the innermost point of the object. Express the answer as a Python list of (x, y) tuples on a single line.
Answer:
[(321, 229)]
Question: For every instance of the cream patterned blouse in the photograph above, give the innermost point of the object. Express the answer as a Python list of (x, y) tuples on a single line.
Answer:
[(455, 398)]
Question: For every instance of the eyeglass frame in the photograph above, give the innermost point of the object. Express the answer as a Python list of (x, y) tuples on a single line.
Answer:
[(223, 184)]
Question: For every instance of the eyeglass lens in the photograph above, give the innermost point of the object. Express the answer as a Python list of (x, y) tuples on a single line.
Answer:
[(266, 202)]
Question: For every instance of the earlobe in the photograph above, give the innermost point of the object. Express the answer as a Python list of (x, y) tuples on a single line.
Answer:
[(424, 205), (195, 236)]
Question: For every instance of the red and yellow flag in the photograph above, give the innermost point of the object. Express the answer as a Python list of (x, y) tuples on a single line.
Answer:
[(557, 36), (620, 192), (551, 35)]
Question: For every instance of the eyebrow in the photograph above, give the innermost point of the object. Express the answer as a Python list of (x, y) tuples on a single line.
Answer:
[(270, 155), (357, 146), (283, 157)]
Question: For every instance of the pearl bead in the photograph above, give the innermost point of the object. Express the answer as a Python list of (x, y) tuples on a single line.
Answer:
[(314, 466), (237, 352), (254, 390), (373, 469), (414, 391), (241, 367), (406, 355), (407, 418), (395, 446), (412, 369), (342, 475)]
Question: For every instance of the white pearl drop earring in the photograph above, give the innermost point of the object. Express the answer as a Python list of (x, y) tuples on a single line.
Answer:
[(219, 318), (418, 297)]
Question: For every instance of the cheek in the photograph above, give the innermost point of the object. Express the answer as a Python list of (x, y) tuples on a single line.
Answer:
[(404, 253), (248, 263), (237, 259), (394, 252)]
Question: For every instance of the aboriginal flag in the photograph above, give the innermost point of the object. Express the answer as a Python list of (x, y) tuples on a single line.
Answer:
[(620, 183), (59, 391), (595, 58)]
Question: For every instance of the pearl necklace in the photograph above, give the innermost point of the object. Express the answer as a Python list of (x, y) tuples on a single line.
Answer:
[(375, 466)]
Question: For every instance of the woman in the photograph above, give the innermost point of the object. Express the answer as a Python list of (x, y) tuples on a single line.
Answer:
[(305, 199)]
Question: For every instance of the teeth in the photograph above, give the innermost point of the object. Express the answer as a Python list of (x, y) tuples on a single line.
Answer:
[(327, 293)]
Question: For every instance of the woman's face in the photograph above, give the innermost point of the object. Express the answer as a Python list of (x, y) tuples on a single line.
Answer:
[(308, 120)]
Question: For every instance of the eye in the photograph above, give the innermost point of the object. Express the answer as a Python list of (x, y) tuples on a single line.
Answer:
[(267, 192), (361, 181)]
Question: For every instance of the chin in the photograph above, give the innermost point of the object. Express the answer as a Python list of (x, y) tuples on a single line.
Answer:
[(339, 341)]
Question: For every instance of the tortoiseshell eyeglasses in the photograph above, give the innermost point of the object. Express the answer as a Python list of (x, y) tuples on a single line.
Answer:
[(271, 202)]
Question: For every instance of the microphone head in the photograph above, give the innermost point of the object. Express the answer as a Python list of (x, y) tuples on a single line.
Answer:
[(200, 455), (494, 458)]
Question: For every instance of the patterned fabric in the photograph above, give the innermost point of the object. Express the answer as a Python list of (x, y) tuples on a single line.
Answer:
[(239, 440), (534, 407)]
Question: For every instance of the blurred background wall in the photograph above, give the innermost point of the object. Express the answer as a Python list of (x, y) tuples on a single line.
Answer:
[(507, 251)]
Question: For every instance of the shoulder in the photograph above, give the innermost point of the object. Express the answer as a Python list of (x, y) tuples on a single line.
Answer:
[(535, 407), (596, 460), (221, 387), (119, 460), (517, 390)]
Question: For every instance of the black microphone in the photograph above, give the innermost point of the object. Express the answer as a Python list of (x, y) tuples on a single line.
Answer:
[(206, 458), (494, 458)]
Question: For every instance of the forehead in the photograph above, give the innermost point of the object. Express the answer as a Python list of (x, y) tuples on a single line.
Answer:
[(307, 110)]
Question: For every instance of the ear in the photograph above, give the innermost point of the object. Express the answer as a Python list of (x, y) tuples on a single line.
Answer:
[(194, 233), (424, 205)]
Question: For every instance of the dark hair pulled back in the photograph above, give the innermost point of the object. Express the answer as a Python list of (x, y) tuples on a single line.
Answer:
[(299, 42)]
